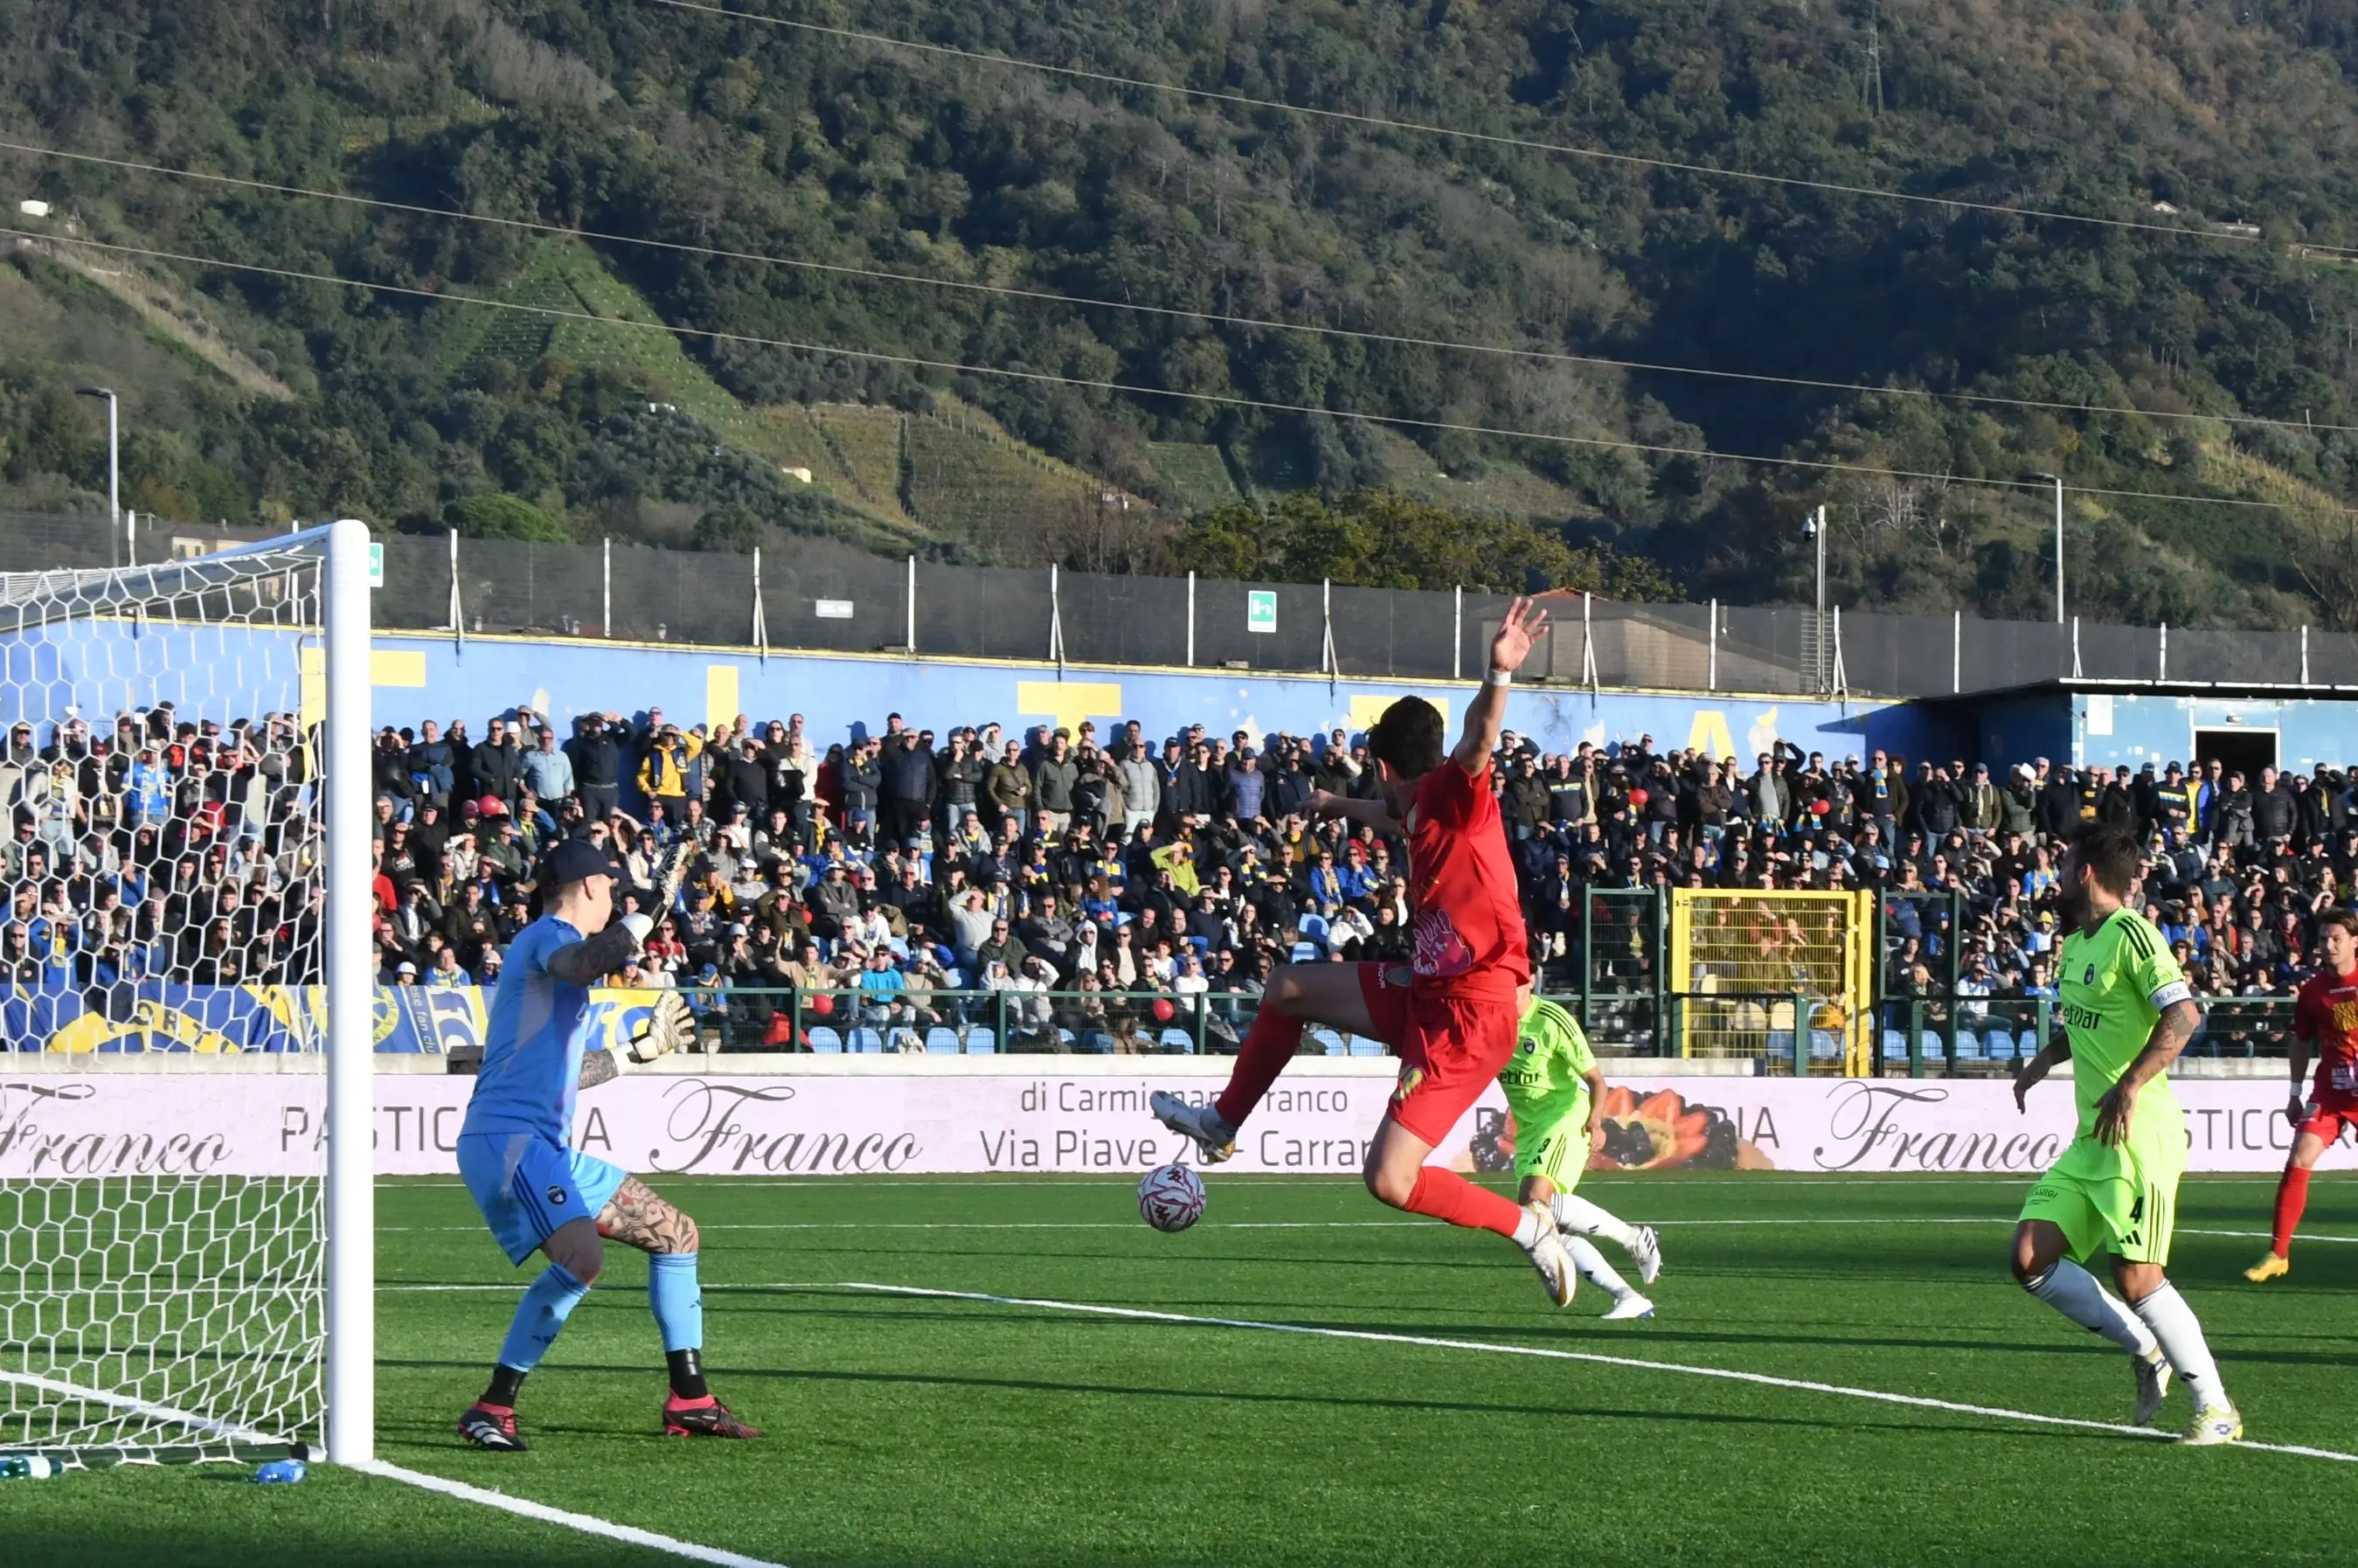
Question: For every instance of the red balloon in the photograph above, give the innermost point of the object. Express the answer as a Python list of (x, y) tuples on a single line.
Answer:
[(822, 1005), (1819, 808), (1162, 1010), (1637, 797)]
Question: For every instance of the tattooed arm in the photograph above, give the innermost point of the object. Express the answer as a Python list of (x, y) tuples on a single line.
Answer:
[(597, 1067), (2172, 1031), (586, 962)]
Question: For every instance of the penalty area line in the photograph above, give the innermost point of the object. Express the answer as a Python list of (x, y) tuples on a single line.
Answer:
[(1431, 1342), (588, 1524)]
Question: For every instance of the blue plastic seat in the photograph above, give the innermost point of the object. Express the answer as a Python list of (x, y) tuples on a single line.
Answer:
[(1825, 1045), (941, 1040), (981, 1042), (1969, 1046), (2000, 1046), (1363, 1047), (1335, 1045), (825, 1040), (1178, 1039), (867, 1042), (1895, 1045), (1304, 951)]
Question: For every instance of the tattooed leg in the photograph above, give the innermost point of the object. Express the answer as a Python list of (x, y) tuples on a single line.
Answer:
[(636, 1217)]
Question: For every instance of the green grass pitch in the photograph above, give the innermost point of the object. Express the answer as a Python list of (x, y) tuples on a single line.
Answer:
[(917, 1431)]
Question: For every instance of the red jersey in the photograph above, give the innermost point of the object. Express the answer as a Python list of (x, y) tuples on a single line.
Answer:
[(2326, 1014), (1468, 927)]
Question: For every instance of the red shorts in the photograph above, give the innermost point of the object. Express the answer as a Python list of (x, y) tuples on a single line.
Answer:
[(1450, 1047), (2329, 1110)]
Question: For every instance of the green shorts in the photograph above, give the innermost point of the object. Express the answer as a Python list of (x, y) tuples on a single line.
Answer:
[(1559, 1152), (2107, 1200)]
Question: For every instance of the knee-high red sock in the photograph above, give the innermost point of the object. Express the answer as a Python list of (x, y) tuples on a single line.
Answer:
[(1268, 1045), (2292, 1196), (1445, 1195)]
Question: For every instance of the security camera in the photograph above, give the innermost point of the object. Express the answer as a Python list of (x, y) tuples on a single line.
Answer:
[(1810, 526)]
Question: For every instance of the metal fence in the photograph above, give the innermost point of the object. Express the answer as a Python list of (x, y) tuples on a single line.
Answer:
[(824, 595)]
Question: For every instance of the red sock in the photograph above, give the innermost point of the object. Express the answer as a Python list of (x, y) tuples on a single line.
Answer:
[(1268, 1045), (2292, 1196), (1445, 1195)]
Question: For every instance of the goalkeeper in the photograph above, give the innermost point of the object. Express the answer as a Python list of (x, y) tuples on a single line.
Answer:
[(1557, 1095), (536, 1191)]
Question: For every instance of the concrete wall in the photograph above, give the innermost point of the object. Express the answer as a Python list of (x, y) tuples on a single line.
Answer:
[(2131, 731), (422, 677)]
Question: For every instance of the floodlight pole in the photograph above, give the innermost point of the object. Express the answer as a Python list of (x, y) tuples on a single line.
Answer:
[(2057, 481), (113, 470)]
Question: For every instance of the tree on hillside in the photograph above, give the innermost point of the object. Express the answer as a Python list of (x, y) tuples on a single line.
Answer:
[(1381, 538)]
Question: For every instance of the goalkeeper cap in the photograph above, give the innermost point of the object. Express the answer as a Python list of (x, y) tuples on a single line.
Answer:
[(574, 860)]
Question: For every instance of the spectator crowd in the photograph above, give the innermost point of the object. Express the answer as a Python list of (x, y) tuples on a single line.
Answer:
[(1094, 875)]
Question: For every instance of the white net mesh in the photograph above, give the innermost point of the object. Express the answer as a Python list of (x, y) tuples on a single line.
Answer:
[(162, 1081)]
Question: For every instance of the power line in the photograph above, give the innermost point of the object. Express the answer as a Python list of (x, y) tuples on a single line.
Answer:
[(1249, 323), (1215, 399), (1381, 123)]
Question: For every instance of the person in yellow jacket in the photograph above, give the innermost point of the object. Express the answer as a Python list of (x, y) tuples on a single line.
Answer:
[(662, 771)]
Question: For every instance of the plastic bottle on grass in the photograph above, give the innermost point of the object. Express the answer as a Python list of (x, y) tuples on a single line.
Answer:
[(280, 1473), (26, 1467)]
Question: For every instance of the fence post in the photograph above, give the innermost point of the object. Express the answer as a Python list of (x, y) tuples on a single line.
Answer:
[(909, 632), (1201, 1022), (1662, 971), (1801, 1034), (606, 587), (1915, 1038), (1957, 651), (1191, 620), (1457, 652), (1587, 643), (1952, 949), (2164, 673), (1588, 955), (458, 612), (2304, 655), (1056, 623), (795, 1039), (761, 625), (999, 1020), (1711, 667), (2075, 647)]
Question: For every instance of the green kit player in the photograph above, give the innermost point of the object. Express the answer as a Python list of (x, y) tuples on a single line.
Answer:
[(1557, 1094), (2126, 1012)]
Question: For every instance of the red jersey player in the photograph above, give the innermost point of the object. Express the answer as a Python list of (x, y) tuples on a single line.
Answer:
[(1451, 1013), (2325, 1019)]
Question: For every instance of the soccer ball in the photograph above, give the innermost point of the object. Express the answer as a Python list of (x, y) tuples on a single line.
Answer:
[(1171, 1197)]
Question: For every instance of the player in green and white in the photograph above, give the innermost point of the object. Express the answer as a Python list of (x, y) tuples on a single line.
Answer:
[(1557, 1094), (2126, 1012)]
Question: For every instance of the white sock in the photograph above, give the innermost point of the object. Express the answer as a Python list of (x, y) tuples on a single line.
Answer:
[(1577, 1214), (1531, 1227), (1593, 1268), (2173, 1322), (2074, 1291)]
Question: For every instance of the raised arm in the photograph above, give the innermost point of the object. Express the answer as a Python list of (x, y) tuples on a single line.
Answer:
[(1517, 634), (1375, 814), (591, 959)]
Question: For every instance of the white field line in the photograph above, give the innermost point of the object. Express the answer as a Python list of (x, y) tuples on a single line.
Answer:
[(1761, 1379), (1340, 1225), (588, 1524)]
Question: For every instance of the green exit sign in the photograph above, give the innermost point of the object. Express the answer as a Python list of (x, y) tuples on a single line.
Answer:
[(377, 565), (1260, 609)]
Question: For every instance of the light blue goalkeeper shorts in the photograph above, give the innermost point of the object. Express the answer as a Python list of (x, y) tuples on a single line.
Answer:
[(527, 1187)]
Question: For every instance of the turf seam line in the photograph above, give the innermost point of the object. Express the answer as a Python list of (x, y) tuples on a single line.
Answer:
[(588, 1524), (1762, 1379)]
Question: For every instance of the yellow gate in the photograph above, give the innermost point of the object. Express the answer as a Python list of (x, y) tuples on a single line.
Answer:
[(1741, 961)]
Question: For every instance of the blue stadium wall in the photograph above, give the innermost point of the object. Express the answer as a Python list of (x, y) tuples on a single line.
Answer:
[(2122, 731), (842, 695), (99, 667)]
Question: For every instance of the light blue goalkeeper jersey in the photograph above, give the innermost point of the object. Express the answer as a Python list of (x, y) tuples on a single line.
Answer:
[(531, 1056)]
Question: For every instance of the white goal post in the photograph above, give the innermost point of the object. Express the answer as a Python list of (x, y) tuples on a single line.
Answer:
[(185, 863)]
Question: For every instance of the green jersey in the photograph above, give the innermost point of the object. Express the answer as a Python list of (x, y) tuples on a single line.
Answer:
[(2111, 991), (1546, 1081)]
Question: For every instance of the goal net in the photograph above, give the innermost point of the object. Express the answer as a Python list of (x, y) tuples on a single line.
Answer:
[(1755, 973), (170, 984)]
